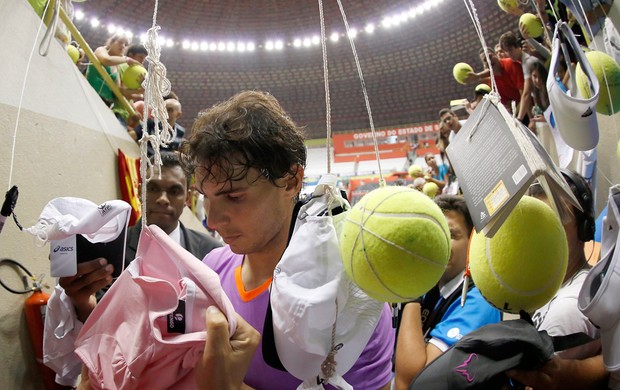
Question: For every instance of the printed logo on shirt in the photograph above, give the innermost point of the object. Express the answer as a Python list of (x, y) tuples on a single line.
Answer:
[(176, 319), (455, 333), (62, 249)]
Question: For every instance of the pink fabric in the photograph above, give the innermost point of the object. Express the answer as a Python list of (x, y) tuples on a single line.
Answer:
[(125, 342)]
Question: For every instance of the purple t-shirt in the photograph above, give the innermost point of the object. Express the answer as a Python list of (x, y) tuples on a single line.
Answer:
[(373, 369)]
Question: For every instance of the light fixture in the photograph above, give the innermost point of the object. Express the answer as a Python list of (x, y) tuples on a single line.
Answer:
[(334, 37)]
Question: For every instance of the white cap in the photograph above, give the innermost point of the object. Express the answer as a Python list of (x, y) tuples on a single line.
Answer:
[(318, 313), (63, 218), (573, 116), (598, 298)]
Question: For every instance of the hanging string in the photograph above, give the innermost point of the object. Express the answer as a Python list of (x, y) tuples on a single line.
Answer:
[(478, 27), (156, 86), (21, 98), (546, 37), (328, 112), (364, 91)]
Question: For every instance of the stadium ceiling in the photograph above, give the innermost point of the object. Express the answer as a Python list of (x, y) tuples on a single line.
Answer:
[(214, 49)]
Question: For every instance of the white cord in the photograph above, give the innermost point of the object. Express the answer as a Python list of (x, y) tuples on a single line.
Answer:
[(328, 114)]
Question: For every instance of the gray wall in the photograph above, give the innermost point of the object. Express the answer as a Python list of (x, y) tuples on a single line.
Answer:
[(65, 145)]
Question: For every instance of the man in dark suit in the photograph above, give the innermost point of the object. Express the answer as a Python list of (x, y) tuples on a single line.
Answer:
[(165, 198)]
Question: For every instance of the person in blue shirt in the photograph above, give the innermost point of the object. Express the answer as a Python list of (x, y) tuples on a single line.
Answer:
[(432, 324)]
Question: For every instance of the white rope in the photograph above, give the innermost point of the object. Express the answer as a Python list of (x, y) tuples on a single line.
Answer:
[(478, 27), (328, 112), (21, 98), (156, 86), (365, 92)]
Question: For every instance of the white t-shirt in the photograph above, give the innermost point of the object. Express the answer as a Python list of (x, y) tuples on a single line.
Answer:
[(561, 316)]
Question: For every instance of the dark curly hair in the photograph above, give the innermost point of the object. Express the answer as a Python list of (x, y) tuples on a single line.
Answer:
[(250, 130)]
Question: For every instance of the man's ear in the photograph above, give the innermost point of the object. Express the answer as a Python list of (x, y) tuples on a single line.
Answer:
[(294, 182)]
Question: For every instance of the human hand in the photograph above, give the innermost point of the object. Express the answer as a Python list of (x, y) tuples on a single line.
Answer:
[(523, 31), (91, 277), (225, 359), (546, 377), (471, 78)]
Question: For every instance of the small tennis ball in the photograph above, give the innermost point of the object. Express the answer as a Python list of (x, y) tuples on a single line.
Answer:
[(523, 265), (510, 6), (533, 25), (607, 72), (482, 88), (430, 189), (74, 53), (133, 76), (395, 244), (415, 171), (461, 71)]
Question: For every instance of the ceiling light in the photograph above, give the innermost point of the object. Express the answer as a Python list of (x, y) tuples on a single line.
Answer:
[(79, 15), (370, 28), (111, 28), (212, 46), (129, 34), (186, 45), (143, 37), (221, 46), (387, 22), (240, 47), (250, 46), (316, 40), (307, 42), (95, 22), (297, 42), (230, 46), (169, 42), (352, 33), (269, 45), (204, 46), (279, 45), (195, 46), (334, 37)]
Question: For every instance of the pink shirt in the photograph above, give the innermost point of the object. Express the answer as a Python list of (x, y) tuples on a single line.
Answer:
[(148, 331)]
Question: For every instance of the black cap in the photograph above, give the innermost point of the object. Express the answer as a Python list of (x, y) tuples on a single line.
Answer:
[(480, 358)]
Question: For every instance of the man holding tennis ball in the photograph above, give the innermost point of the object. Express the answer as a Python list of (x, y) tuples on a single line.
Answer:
[(431, 325)]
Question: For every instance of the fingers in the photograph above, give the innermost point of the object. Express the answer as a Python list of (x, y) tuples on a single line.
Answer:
[(217, 325), (91, 277)]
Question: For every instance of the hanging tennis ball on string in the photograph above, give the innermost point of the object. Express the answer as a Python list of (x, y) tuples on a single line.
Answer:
[(607, 72), (133, 76), (461, 71), (523, 265), (395, 244)]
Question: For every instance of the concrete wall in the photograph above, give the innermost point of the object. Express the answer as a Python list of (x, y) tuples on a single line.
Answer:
[(65, 145)]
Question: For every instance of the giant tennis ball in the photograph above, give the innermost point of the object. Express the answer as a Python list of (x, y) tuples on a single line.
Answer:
[(395, 244), (415, 171), (533, 25), (133, 76), (461, 71), (430, 189), (608, 74), (523, 265), (510, 6), (74, 53)]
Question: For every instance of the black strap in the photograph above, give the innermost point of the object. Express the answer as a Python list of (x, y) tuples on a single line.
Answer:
[(436, 315), (560, 343)]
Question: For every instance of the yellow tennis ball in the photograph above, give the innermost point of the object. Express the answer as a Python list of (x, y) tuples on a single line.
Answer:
[(133, 76), (523, 265), (395, 244), (461, 71), (533, 25), (415, 170), (510, 6), (607, 72), (74, 53), (430, 189)]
